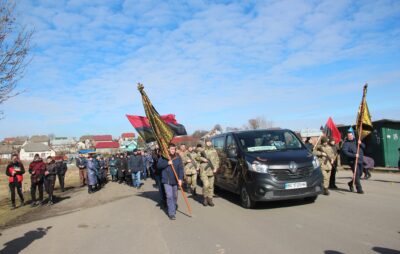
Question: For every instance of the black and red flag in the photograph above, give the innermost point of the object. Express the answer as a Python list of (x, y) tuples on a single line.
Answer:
[(331, 131), (143, 127)]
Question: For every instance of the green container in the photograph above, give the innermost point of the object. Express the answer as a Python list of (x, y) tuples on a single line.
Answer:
[(382, 144)]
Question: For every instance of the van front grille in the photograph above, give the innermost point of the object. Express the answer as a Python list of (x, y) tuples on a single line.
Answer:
[(287, 175)]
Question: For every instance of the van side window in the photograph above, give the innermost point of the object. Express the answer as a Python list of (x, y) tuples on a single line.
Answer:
[(218, 143), (230, 143)]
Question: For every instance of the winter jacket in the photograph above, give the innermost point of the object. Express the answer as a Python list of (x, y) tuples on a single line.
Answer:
[(167, 175), (91, 172), (19, 170), (51, 168), (113, 166), (349, 149), (61, 167), (80, 163), (135, 163), (37, 169)]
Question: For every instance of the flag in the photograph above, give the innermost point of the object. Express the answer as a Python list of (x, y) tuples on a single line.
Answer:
[(331, 131), (363, 117), (143, 127), (162, 132)]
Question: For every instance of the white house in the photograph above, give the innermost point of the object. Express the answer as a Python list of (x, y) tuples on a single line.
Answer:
[(29, 150), (5, 152), (63, 145)]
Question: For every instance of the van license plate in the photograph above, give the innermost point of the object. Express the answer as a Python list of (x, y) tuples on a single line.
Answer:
[(298, 185)]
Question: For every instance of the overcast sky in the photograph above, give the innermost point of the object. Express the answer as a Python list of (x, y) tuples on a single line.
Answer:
[(293, 62)]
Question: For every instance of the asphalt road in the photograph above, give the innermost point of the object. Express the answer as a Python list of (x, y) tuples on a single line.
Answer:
[(119, 219)]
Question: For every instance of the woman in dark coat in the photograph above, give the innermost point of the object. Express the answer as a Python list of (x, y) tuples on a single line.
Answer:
[(91, 174)]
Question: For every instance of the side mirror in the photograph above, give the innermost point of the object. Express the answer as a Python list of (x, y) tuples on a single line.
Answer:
[(232, 153)]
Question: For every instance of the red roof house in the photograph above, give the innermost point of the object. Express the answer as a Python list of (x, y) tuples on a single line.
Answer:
[(107, 147), (100, 138), (127, 135)]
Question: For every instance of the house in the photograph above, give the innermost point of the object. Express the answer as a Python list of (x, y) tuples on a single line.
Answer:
[(40, 139), (87, 141), (5, 152), (107, 147), (383, 143), (9, 140), (29, 150), (63, 145), (101, 138), (128, 136)]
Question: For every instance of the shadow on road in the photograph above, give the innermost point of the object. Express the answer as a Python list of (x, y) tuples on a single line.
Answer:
[(333, 252), (384, 181), (382, 250), (234, 198), (18, 244)]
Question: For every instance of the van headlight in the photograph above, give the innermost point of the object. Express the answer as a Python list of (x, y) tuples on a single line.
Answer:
[(315, 162), (258, 167)]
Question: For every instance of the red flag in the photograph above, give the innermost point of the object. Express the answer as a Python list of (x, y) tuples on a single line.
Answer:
[(143, 127), (331, 131)]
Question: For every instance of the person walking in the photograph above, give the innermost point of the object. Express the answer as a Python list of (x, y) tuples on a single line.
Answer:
[(136, 167), (209, 163), (326, 156), (336, 163), (169, 180), (350, 151), (50, 178), (37, 169), (92, 174), (113, 168), (81, 165), (191, 168), (61, 171), (15, 171)]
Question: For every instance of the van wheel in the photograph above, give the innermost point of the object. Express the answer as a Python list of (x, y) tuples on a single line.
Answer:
[(245, 199), (311, 199)]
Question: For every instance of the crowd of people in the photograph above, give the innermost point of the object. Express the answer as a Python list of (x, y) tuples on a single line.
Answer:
[(43, 176), (328, 153), (180, 170)]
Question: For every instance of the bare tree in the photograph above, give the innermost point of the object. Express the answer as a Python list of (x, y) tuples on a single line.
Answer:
[(218, 128), (259, 123), (14, 48), (199, 133)]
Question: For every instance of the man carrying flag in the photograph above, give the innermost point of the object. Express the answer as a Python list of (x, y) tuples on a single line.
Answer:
[(353, 149), (172, 164)]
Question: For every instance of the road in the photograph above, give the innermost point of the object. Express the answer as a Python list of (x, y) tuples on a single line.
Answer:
[(119, 219)]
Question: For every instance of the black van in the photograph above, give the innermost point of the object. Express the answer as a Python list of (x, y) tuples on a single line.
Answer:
[(263, 165)]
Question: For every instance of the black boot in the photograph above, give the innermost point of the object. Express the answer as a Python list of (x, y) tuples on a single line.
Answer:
[(326, 192), (205, 201), (210, 202), (350, 184)]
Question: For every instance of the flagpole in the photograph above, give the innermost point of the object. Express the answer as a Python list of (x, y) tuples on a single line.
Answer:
[(359, 132), (177, 178)]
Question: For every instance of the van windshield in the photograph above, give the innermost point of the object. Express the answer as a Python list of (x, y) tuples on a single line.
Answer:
[(269, 140)]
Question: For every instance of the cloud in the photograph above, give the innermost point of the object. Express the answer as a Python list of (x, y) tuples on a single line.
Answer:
[(206, 62)]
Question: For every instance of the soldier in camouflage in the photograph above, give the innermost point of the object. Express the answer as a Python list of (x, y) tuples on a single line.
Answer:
[(209, 163), (326, 157), (191, 168)]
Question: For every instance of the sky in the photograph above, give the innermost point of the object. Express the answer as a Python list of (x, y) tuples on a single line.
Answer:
[(295, 63)]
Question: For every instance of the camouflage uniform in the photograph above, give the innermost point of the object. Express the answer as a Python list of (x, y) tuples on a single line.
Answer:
[(206, 172), (190, 169), (325, 162)]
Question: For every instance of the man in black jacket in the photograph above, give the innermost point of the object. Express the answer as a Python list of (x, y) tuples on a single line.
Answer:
[(135, 166), (50, 178), (61, 170), (349, 149)]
